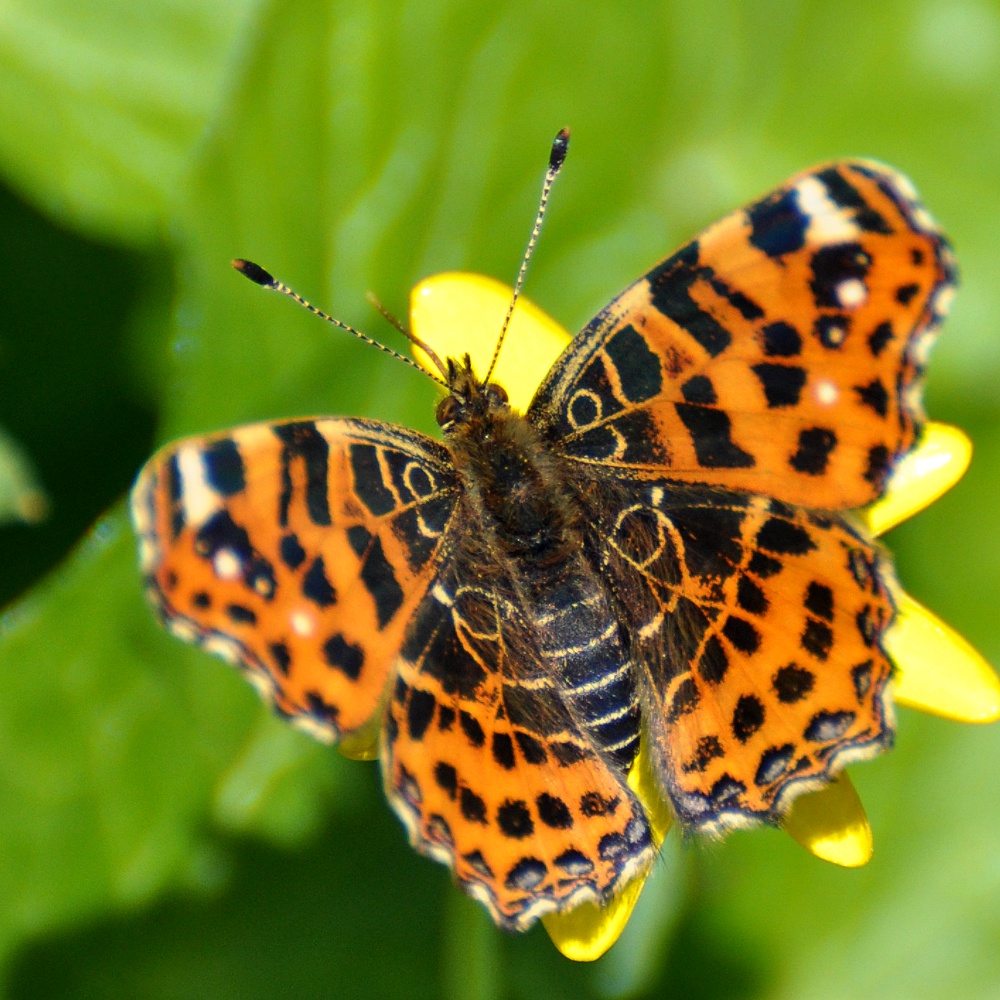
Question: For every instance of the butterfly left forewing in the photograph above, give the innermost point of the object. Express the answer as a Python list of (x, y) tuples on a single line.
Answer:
[(781, 352), (297, 551)]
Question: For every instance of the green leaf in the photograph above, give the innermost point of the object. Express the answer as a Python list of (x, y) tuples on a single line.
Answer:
[(104, 103)]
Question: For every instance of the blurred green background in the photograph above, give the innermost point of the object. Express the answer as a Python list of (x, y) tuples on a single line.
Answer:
[(161, 836)]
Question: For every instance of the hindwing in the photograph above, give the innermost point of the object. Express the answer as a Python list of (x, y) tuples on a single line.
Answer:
[(487, 766), (756, 628)]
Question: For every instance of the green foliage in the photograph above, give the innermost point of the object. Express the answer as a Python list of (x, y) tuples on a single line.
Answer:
[(161, 834)]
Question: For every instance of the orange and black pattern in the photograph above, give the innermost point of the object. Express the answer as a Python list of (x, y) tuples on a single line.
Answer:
[(661, 549)]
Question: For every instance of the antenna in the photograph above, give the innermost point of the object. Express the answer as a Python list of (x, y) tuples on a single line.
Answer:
[(560, 146), (263, 278)]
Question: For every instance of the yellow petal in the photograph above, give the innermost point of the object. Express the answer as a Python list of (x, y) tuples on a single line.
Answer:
[(938, 671), (832, 824), (588, 931), (931, 469), (457, 313)]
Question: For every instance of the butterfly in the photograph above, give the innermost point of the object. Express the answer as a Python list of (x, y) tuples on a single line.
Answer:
[(659, 551)]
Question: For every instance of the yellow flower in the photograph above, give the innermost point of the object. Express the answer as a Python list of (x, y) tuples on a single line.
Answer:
[(936, 669)]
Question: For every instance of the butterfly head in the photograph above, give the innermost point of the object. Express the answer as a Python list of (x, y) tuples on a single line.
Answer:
[(469, 399)]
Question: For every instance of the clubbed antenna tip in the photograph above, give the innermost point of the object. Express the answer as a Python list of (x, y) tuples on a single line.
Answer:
[(254, 272), (560, 146)]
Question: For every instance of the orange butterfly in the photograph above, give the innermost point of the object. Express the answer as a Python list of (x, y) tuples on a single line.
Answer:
[(659, 549)]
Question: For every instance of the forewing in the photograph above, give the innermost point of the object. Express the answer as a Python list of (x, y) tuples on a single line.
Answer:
[(297, 551), (757, 629), (488, 770), (781, 352)]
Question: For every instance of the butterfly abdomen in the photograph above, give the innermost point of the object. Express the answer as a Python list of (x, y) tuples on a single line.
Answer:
[(529, 521)]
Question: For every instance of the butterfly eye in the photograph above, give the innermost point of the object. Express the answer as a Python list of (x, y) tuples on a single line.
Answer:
[(498, 392), (447, 411)]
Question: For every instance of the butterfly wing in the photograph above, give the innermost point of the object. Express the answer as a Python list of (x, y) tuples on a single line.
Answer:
[(486, 765), (756, 628), (780, 353), (298, 551)]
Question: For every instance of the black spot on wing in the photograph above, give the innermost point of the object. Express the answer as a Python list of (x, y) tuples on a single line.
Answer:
[(750, 597), (239, 614), (713, 663), (446, 778), (875, 396), (792, 683), (782, 384), (419, 713), (742, 635), (777, 224), (710, 432), (515, 820), (553, 811), (503, 751), (708, 749), (813, 454), (292, 553), (784, 537), (817, 638), (281, 656), (670, 291), (763, 566), (684, 700), (819, 600), (638, 368), (472, 729), (347, 657), (224, 467), (879, 460), (748, 717), (879, 338), (380, 581), (303, 441), (531, 749), (472, 806), (781, 340), (905, 294), (317, 587), (699, 390)]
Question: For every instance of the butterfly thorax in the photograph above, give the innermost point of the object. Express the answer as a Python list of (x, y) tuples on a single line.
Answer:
[(513, 481)]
